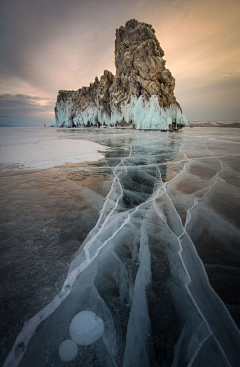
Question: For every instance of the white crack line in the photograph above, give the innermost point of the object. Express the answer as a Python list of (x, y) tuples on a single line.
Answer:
[(225, 141), (196, 199), (190, 363), (90, 242)]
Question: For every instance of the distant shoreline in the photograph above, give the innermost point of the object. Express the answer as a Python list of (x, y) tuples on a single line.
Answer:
[(214, 124)]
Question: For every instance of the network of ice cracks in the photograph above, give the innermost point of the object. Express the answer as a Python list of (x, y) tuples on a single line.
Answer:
[(144, 114), (112, 273)]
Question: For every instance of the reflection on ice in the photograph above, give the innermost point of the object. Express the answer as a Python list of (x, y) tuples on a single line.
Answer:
[(138, 269)]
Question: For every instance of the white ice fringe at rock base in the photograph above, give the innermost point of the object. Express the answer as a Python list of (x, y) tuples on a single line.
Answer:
[(147, 114), (142, 113), (63, 116)]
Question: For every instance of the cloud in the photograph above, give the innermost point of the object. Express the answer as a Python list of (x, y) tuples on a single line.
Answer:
[(47, 45), (23, 109), (22, 99)]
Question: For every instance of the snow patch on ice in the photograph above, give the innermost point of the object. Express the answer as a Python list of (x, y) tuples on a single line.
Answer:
[(35, 150)]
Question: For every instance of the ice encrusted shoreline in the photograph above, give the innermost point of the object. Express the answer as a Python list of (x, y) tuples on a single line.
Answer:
[(139, 113)]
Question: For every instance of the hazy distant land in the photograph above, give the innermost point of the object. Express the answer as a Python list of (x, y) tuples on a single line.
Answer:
[(214, 124)]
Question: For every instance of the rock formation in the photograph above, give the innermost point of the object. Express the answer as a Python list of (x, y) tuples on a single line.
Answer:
[(140, 95)]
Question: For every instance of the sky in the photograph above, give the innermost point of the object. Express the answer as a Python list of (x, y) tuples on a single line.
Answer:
[(47, 45)]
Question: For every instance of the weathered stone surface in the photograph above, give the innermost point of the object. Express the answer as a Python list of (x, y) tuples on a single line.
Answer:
[(141, 94), (139, 65)]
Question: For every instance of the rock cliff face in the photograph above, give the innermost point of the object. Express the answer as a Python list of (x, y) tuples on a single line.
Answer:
[(140, 95)]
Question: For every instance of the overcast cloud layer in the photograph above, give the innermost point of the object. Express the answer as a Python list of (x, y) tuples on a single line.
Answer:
[(47, 45)]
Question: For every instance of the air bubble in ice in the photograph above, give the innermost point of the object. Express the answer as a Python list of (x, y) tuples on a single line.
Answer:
[(68, 350), (86, 327)]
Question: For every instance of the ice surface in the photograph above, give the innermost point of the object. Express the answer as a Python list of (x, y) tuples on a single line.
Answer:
[(164, 237)]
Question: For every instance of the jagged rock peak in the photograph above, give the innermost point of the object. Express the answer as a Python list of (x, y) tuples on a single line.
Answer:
[(140, 69), (141, 94)]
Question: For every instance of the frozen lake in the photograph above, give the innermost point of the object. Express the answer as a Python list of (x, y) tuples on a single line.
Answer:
[(140, 227)]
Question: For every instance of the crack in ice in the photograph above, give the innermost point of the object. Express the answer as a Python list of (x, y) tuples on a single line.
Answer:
[(186, 284), (31, 325)]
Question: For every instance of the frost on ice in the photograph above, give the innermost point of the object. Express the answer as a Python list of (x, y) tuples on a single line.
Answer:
[(68, 350), (85, 328)]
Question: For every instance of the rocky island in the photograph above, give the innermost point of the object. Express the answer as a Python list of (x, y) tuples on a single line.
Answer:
[(140, 95)]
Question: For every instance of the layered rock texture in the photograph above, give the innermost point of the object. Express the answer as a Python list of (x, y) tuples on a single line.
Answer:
[(140, 95)]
